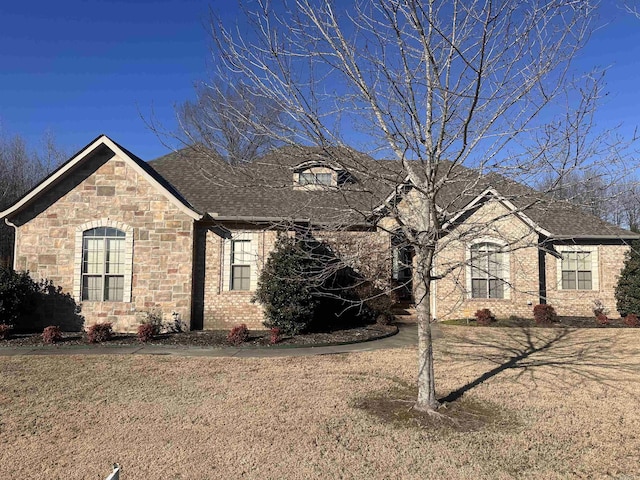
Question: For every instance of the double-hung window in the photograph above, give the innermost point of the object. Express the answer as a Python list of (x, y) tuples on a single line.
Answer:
[(103, 264), (240, 265), (577, 270), (487, 271)]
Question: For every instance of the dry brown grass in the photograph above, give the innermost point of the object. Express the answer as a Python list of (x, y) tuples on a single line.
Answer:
[(552, 404)]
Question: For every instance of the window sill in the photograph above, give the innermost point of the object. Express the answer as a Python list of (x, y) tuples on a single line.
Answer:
[(488, 299)]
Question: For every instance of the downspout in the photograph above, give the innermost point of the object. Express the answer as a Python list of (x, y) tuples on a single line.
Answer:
[(15, 241)]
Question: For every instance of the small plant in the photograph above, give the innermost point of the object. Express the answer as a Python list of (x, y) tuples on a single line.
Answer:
[(51, 334), (484, 316), (599, 308), (147, 331), (602, 319), (5, 331), (544, 314), (238, 334), (176, 325), (631, 320), (100, 332), (274, 335)]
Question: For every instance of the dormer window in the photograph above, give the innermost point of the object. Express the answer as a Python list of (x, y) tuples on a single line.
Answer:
[(320, 174), (313, 178)]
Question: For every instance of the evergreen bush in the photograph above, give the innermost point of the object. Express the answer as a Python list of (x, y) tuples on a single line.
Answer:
[(18, 298), (285, 289), (628, 288)]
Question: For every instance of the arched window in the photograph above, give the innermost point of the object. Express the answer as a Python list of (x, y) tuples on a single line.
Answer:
[(488, 271), (103, 264)]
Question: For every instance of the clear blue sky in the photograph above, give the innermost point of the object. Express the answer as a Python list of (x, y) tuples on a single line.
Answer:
[(81, 68)]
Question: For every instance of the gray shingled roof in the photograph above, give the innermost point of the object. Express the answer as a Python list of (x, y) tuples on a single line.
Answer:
[(264, 189)]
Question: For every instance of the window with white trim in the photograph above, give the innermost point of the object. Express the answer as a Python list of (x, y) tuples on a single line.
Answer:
[(103, 264), (578, 268), (240, 261), (487, 273), (312, 178), (240, 265)]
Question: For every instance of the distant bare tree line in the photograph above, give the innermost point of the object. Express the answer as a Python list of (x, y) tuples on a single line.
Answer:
[(611, 197), (21, 167)]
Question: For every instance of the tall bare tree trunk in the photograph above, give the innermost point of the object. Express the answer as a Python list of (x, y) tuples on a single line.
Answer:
[(427, 400)]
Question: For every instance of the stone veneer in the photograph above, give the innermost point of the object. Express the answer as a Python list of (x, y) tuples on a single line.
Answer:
[(107, 189)]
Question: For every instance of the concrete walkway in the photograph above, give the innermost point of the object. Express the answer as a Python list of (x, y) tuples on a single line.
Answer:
[(406, 336)]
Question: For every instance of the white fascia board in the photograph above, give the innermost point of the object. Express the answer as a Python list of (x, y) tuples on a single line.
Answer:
[(506, 203)]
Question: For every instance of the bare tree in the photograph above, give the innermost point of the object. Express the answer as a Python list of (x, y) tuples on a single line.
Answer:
[(21, 167), (231, 121), (451, 91)]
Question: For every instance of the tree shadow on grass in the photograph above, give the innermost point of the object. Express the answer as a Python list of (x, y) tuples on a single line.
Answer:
[(575, 355), (565, 358)]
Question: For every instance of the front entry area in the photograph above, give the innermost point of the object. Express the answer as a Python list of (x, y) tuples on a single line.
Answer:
[(402, 267)]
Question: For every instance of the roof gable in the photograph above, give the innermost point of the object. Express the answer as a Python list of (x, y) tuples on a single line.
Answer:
[(99, 144)]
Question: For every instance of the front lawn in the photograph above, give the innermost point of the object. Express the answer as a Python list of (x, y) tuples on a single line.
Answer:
[(524, 403)]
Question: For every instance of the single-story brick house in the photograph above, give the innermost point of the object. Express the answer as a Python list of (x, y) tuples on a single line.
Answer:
[(186, 235)]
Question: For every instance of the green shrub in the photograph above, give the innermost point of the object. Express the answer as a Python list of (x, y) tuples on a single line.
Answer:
[(284, 287), (18, 298), (628, 288)]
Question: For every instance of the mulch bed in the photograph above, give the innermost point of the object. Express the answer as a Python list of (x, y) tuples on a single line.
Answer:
[(215, 338), (562, 322)]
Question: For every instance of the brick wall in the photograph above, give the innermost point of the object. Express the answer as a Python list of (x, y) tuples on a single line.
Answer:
[(452, 298), (223, 308), (106, 187), (491, 222), (581, 302)]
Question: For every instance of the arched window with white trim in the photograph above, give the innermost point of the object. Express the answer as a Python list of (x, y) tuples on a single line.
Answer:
[(103, 264), (104, 254)]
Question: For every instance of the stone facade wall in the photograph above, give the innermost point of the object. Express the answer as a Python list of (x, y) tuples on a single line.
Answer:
[(107, 187)]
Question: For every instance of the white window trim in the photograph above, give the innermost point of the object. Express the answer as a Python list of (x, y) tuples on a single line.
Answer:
[(315, 171), (252, 237), (128, 256), (595, 262), (506, 268)]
